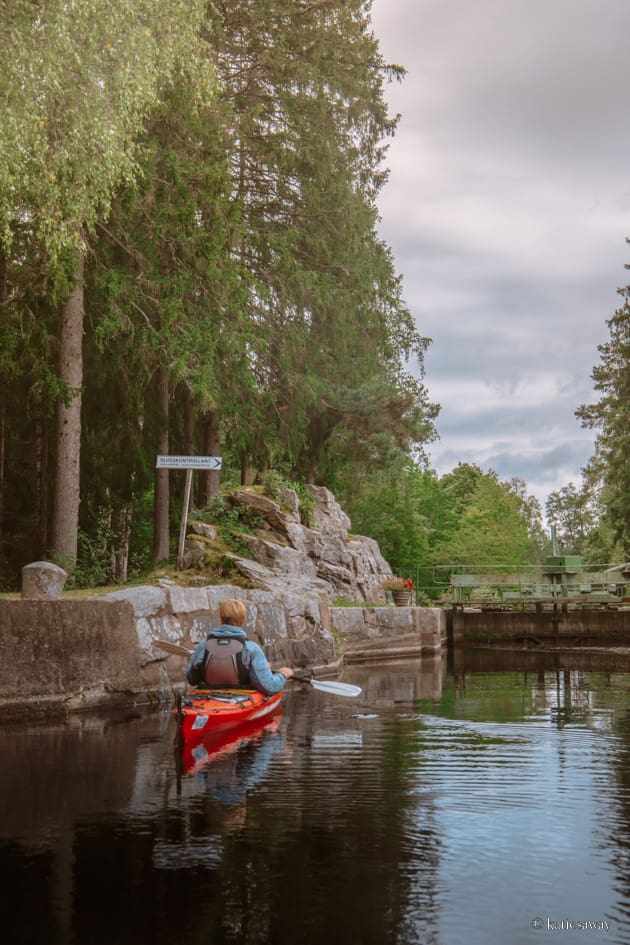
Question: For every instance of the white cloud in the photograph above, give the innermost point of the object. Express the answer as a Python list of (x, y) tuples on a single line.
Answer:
[(474, 396), (507, 210)]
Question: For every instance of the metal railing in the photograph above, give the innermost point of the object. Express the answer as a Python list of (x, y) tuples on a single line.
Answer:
[(450, 583)]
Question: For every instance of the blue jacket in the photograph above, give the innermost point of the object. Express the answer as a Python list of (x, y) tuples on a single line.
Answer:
[(254, 661)]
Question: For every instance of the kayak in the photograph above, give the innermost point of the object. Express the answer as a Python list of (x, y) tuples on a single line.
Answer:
[(202, 712)]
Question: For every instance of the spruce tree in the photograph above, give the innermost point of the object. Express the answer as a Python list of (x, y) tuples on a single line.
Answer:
[(610, 415), (309, 131)]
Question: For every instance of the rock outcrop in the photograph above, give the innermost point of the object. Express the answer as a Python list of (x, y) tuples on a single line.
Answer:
[(322, 561)]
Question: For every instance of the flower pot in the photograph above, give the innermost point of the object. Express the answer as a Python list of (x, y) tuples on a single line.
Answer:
[(402, 598)]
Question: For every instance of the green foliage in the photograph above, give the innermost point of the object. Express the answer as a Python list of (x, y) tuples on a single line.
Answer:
[(77, 83), (332, 330), (608, 478), (491, 529), (233, 521), (422, 521), (274, 483), (306, 505), (531, 511), (92, 568), (390, 507), (571, 513)]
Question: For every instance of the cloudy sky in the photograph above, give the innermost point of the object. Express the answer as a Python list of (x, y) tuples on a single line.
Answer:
[(507, 210)]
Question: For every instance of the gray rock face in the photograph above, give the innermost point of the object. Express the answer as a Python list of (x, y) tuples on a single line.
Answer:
[(42, 580), (329, 516), (323, 562), (289, 501)]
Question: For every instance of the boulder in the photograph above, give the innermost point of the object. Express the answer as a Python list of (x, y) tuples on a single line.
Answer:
[(43, 580), (194, 552), (206, 531)]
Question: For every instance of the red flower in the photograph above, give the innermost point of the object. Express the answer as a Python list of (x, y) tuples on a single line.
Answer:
[(397, 584)]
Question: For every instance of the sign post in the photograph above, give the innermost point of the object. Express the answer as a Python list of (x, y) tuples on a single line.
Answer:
[(189, 463)]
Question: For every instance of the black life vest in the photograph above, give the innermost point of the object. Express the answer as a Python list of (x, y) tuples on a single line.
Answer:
[(223, 662)]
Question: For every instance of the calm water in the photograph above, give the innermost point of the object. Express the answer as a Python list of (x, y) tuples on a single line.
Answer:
[(439, 807)]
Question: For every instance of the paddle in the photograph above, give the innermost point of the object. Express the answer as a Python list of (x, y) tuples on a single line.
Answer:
[(324, 685)]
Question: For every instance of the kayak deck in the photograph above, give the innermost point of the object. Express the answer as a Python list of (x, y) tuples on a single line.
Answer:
[(203, 711)]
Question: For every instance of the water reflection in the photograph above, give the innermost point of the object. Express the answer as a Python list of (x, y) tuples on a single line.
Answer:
[(447, 805), (223, 769)]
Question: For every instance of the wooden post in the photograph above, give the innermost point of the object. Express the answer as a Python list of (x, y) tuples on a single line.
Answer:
[(184, 523)]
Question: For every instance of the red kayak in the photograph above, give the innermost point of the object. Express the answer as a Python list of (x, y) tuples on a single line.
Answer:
[(202, 712)]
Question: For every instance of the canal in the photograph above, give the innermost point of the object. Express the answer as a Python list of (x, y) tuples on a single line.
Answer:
[(488, 805)]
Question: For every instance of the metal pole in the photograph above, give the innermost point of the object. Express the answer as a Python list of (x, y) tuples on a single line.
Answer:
[(184, 523)]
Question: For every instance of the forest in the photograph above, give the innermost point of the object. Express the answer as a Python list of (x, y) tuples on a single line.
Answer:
[(190, 264)]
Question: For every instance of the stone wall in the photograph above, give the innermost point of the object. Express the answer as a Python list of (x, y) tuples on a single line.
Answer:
[(60, 655), (291, 630)]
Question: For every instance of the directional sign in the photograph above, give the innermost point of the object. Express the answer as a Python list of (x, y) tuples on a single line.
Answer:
[(188, 462)]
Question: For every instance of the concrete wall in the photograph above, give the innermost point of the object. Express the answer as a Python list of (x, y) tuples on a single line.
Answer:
[(596, 626), (64, 655), (60, 655), (367, 633)]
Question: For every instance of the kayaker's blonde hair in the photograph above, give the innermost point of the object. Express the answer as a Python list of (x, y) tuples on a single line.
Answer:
[(233, 612)]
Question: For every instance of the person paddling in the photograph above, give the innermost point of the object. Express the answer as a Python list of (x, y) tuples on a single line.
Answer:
[(228, 658)]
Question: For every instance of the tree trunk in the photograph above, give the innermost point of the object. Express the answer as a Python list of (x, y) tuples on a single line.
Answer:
[(65, 518), (248, 472), (189, 423), (41, 476), (122, 529), (210, 479), (2, 440), (161, 500), (3, 406)]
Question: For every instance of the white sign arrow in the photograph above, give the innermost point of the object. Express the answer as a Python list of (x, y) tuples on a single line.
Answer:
[(188, 462)]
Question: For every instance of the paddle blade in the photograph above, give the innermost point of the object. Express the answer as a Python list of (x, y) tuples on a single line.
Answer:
[(336, 688), (172, 647)]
